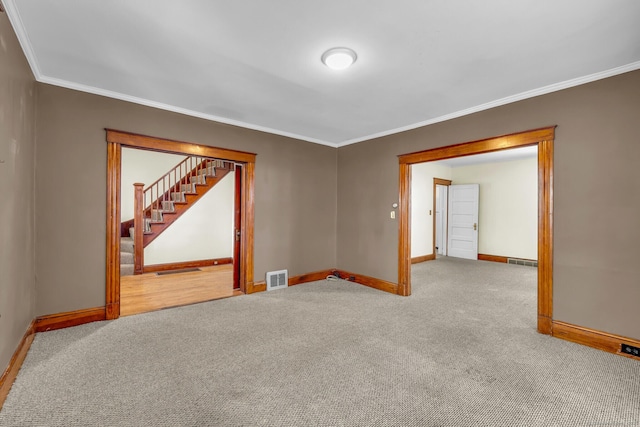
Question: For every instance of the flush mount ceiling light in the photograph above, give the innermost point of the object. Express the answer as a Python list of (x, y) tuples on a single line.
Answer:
[(339, 58)]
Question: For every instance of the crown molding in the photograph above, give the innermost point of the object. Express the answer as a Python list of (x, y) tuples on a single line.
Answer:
[(502, 101), (23, 38), (162, 106), (25, 43)]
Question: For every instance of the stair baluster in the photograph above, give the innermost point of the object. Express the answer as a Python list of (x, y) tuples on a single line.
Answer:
[(160, 198)]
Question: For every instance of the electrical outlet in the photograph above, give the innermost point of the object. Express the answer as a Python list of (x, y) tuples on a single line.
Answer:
[(629, 349)]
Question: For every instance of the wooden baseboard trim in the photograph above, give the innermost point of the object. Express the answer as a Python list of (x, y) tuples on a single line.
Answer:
[(545, 325), (186, 264), (593, 338), (252, 288), (309, 277), (493, 258), (423, 258), (294, 280), (112, 310), (371, 282), (498, 258), (69, 319), (10, 374)]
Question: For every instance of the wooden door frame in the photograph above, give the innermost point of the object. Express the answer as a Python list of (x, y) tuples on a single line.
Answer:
[(544, 139), (118, 139), (436, 182), (237, 225)]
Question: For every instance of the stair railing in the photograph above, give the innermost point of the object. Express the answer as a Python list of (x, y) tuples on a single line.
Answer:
[(171, 182), (151, 200)]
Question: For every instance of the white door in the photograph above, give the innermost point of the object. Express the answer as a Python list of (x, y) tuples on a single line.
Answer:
[(463, 221)]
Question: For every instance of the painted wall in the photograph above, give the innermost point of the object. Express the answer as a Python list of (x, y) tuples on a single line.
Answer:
[(205, 231), (596, 273), (508, 208), (295, 193), (421, 203), (142, 166), (17, 204)]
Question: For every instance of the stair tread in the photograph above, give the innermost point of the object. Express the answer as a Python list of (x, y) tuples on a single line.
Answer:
[(186, 191)]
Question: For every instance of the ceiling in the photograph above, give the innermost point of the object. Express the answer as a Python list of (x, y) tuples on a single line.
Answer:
[(256, 63), (492, 157)]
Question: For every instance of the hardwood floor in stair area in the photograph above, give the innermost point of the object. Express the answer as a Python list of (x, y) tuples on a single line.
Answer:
[(149, 292)]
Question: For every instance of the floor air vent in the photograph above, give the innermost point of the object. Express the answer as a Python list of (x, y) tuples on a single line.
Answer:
[(277, 280), (527, 262)]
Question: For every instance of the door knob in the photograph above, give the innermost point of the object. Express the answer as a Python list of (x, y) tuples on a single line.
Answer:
[(475, 226)]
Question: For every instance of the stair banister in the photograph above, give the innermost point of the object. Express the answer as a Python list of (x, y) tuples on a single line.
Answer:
[(149, 203)]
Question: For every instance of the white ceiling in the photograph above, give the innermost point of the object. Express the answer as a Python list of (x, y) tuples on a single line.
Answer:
[(256, 63), (493, 157)]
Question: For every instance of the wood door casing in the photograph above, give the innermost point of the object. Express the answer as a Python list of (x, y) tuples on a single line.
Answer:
[(118, 139), (436, 182), (544, 139), (237, 226)]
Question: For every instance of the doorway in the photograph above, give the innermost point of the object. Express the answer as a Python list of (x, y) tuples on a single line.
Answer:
[(544, 139), (243, 209), (440, 208)]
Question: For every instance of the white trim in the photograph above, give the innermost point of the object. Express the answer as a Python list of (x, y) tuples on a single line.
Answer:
[(503, 101), (25, 43), (23, 38), (180, 110), (16, 22)]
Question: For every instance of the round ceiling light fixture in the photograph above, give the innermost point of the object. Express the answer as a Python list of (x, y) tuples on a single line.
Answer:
[(339, 58)]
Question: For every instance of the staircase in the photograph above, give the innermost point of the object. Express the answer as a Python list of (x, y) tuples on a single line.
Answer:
[(126, 256), (163, 202)]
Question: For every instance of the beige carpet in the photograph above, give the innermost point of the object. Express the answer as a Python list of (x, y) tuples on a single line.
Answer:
[(462, 351)]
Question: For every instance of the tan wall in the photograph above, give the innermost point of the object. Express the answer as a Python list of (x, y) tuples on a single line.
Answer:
[(295, 210), (508, 206), (141, 166), (17, 156), (596, 196), (422, 213), (597, 200)]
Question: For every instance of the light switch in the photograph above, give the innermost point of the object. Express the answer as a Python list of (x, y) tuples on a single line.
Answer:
[(393, 214)]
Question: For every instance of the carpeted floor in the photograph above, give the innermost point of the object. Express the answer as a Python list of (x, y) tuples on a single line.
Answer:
[(461, 351)]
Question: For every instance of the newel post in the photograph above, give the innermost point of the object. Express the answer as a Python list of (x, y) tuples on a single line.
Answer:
[(138, 227)]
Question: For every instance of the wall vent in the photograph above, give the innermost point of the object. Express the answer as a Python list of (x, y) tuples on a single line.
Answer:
[(277, 280), (527, 262)]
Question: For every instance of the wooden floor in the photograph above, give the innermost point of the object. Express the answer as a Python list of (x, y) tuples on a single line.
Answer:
[(150, 292)]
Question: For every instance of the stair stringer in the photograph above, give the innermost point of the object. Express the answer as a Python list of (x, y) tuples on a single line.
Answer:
[(169, 217)]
